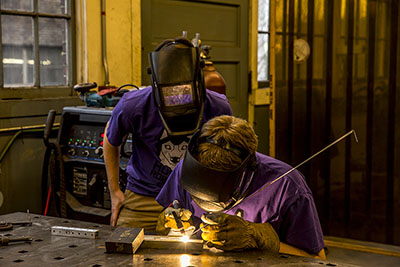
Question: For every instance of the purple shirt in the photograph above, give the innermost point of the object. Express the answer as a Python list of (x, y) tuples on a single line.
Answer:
[(154, 154), (287, 204)]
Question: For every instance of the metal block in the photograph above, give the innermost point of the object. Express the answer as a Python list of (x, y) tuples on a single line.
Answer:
[(125, 240), (171, 243)]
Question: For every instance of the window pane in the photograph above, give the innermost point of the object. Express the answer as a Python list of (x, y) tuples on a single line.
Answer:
[(18, 56), (23, 5), (263, 57), (263, 15), (53, 51), (53, 6)]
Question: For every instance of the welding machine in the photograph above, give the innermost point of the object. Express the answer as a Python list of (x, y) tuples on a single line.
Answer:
[(81, 185)]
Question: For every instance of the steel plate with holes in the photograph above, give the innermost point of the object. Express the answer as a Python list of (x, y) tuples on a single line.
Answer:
[(51, 250), (74, 231)]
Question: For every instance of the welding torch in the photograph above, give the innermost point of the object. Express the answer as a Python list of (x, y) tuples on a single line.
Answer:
[(179, 224)]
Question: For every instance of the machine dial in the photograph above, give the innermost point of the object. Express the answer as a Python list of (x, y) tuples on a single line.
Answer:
[(99, 151)]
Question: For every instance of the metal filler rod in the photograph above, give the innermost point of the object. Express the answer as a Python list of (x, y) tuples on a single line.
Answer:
[(305, 161), (294, 168)]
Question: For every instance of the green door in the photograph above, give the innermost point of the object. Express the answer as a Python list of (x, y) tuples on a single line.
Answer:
[(222, 24)]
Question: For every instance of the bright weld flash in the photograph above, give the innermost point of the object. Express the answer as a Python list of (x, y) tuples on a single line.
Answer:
[(185, 238)]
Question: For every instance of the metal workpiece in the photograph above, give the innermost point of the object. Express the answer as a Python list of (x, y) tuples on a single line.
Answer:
[(74, 232), (46, 249)]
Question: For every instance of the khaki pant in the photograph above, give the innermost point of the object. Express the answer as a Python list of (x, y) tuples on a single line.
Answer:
[(139, 211)]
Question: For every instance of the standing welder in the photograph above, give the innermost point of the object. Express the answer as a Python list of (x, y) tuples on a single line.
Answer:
[(161, 120), (222, 174)]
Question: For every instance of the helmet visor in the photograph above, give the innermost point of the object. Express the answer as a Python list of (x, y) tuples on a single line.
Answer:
[(177, 95)]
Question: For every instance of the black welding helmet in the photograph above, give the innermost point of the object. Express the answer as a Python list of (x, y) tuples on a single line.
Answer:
[(178, 85), (216, 190)]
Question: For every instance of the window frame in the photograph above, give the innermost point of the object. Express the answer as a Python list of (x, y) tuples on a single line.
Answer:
[(264, 83), (38, 90)]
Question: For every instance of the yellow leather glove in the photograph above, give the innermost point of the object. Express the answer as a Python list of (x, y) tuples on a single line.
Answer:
[(183, 214), (166, 220), (232, 233)]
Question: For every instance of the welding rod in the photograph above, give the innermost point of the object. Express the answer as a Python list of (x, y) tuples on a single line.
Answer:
[(195, 231), (313, 156)]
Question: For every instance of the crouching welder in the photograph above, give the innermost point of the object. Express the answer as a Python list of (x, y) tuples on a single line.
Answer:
[(222, 180)]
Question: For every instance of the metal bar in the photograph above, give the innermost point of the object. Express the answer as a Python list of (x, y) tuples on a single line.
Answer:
[(71, 48), (41, 87), (36, 81), (1, 52), (309, 81), (272, 69), (23, 128), (290, 82), (33, 14), (281, 135), (367, 247), (348, 122), (298, 15), (74, 232), (370, 103), (391, 140), (104, 41), (326, 171)]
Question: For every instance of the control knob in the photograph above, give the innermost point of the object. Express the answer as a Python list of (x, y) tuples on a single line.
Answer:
[(71, 152), (99, 151)]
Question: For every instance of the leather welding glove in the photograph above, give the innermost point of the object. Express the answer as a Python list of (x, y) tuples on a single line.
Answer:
[(232, 233), (166, 220)]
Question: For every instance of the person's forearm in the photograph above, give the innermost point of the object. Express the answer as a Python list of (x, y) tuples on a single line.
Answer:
[(111, 159), (288, 249)]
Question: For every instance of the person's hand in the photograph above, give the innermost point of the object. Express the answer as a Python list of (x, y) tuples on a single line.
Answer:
[(183, 215), (117, 198), (168, 220), (232, 233)]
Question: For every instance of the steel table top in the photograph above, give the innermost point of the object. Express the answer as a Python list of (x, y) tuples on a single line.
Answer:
[(50, 250)]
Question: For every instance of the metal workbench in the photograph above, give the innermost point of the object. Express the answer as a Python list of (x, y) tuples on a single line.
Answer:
[(50, 250)]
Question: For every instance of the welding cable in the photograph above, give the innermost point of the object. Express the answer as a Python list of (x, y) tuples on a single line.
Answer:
[(11, 141), (47, 202), (46, 158), (47, 184), (8, 145), (128, 84)]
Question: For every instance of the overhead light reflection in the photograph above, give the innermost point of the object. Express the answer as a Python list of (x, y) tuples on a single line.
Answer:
[(185, 260)]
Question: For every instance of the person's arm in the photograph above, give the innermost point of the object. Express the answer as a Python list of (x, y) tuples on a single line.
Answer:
[(232, 233), (288, 249), (304, 234), (111, 159)]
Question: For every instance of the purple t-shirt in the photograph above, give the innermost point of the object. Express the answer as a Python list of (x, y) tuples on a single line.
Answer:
[(287, 204), (154, 153)]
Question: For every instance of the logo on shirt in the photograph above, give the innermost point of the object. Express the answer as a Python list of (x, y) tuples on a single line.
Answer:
[(171, 151)]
